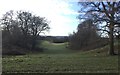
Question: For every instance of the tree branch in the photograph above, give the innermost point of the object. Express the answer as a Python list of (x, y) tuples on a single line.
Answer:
[(105, 11)]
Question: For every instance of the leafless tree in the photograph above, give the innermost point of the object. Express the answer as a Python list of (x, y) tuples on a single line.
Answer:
[(23, 28), (103, 12)]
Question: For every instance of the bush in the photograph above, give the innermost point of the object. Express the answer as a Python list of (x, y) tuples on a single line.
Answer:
[(13, 51)]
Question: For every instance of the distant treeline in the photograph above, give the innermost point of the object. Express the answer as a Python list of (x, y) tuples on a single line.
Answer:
[(55, 39)]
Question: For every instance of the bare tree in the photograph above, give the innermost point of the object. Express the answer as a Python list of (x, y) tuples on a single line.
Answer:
[(22, 29), (7, 24), (37, 25), (103, 12), (31, 26), (7, 20), (85, 37), (24, 19)]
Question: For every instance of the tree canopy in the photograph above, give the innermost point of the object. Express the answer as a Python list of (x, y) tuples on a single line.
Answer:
[(22, 29), (105, 13)]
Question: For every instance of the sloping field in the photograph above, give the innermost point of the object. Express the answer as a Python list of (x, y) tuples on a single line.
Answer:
[(59, 59)]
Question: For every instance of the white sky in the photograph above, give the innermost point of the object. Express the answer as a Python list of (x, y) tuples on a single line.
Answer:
[(56, 11)]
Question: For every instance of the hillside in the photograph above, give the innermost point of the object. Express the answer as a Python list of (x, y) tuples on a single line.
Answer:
[(59, 59)]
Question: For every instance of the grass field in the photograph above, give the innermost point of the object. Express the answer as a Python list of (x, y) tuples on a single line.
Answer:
[(58, 59)]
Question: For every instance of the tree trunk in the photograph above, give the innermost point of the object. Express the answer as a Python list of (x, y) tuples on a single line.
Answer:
[(33, 42), (33, 45), (111, 40)]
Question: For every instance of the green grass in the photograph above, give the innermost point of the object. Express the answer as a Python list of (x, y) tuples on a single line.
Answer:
[(59, 59)]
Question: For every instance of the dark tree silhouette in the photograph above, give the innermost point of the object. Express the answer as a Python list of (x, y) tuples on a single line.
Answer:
[(103, 12), (31, 26), (22, 29), (37, 25), (24, 19), (85, 37)]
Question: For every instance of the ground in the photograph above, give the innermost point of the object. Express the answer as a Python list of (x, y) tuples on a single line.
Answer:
[(57, 58)]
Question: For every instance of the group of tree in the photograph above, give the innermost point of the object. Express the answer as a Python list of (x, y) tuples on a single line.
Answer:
[(106, 17), (22, 29), (86, 37)]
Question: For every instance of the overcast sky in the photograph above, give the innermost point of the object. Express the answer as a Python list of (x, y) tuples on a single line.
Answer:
[(61, 13)]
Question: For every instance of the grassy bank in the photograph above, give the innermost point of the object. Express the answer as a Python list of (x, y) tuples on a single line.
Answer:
[(58, 59)]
